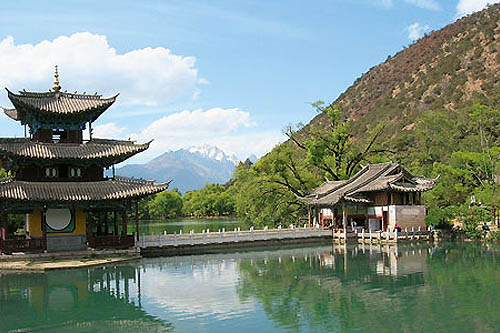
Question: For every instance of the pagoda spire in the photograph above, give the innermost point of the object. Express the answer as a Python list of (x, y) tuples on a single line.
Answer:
[(56, 86)]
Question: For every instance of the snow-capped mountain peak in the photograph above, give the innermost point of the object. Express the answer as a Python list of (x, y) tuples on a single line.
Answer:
[(213, 152)]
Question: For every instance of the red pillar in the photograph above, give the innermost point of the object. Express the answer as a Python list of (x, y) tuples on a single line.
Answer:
[(322, 218)]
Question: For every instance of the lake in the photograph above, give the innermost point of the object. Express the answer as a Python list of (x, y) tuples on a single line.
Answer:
[(157, 227), (335, 288)]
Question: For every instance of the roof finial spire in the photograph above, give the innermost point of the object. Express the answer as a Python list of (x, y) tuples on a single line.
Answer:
[(56, 86)]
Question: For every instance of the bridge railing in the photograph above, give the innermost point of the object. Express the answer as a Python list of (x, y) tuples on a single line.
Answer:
[(222, 236)]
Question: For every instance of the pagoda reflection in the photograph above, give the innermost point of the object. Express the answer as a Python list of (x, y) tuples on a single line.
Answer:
[(100, 299)]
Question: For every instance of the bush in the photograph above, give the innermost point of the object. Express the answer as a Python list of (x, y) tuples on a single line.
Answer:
[(440, 218)]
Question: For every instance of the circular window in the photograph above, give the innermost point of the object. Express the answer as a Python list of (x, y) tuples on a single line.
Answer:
[(58, 219)]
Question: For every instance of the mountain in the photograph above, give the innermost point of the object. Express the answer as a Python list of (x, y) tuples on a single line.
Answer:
[(214, 153), (449, 69), (189, 169), (252, 158)]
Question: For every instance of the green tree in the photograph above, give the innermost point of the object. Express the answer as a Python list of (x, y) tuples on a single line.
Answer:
[(3, 173), (212, 200), (166, 205), (332, 148), (266, 193), (463, 148)]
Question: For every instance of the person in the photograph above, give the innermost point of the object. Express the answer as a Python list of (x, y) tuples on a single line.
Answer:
[(397, 227), (486, 227)]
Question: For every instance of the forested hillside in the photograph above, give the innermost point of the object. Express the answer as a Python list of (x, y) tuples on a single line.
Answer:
[(433, 106)]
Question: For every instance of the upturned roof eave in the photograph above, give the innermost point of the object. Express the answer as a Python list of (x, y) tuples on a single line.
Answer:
[(12, 190), (88, 114), (102, 151)]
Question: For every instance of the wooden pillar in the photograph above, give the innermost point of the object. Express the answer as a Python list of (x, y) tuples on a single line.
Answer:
[(344, 216), (137, 221), (124, 222), (3, 231), (44, 228), (322, 219), (106, 227), (3, 226), (309, 214), (115, 223), (89, 225), (332, 209), (4, 217), (99, 224)]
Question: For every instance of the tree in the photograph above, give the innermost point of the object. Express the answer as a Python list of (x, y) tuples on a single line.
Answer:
[(166, 205), (332, 149), (266, 192), (212, 200), (461, 147)]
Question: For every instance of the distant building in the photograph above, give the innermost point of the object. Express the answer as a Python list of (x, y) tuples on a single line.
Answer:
[(58, 178), (376, 198)]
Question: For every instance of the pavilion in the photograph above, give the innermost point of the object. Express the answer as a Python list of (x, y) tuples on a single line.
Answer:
[(57, 178), (379, 197)]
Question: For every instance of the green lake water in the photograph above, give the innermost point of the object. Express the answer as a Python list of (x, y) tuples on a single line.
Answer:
[(157, 227), (428, 288)]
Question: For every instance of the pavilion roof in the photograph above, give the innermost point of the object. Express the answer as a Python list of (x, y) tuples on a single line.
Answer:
[(106, 152), (119, 188), (373, 177), (56, 104)]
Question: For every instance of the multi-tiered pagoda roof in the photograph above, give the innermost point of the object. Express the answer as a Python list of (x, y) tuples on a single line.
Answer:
[(56, 121)]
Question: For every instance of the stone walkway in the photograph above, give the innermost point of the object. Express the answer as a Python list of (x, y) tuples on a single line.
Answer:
[(65, 260), (45, 265)]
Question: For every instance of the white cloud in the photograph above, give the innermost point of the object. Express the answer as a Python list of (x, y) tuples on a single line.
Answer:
[(232, 130), (215, 121), (108, 130), (416, 31), (426, 4), (87, 62), (465, 7)]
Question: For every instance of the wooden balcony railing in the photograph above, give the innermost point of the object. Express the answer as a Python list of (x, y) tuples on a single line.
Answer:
[(10, 246)]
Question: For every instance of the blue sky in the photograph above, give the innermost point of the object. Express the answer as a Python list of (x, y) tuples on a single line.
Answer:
[(227, 73)]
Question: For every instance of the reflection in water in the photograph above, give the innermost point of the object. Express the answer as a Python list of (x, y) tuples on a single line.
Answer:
[(378, 288), (334, 288), (95, 300)]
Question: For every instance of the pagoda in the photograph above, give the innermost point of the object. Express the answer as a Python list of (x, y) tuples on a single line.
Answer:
[(56, 178)]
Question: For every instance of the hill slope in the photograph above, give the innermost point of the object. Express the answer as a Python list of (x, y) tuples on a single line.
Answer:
[(448, 69)]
